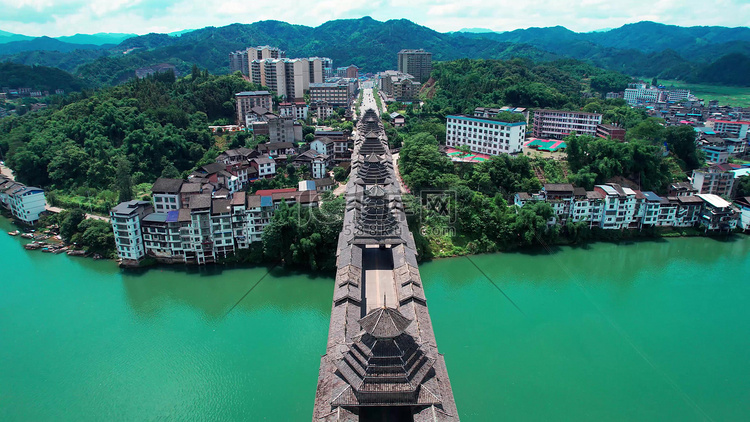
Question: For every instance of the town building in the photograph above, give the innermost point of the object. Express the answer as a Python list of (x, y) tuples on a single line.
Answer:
[(341, 143), (166, 194), (717, 213), (314, 161), (716, 180), (610, 131), (397, 119), (558, 124), (26, 203), (744, 220), (417, 63), (126, 223), (640, 93), (399, 86), (239, 60), (321, 68), (296, 110), (247, 100), (493, 112), (738, 129), (619, 205), (350, 71), (265, 165), (715, 149), (321, 110), (340, 92), (485, 135)]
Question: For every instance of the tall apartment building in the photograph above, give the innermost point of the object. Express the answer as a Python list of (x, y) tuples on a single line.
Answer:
[(246, 100), (417, 63), (485, 135), (126, 224), (350, 71), (297, 78), (716, 180), (320, 69), (559, 124), (240, 60)]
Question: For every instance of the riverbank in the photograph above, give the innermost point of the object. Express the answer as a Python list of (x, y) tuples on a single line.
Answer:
[(444, 243)]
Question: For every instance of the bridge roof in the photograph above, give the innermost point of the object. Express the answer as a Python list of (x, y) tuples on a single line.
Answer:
[(384, 322)]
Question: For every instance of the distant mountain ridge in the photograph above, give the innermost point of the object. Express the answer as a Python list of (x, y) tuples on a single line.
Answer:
[(641, 49)]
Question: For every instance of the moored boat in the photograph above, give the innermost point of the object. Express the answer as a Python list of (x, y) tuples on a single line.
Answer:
[(14, 233)]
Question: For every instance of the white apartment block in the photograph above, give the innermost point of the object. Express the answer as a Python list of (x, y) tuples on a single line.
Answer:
[(619, 206), (642, 93), (485, 136), (126, 224), (166, 194), (25, 203), (559, 124)]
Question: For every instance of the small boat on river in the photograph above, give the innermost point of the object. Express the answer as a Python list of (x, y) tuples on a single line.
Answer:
[(14, 233)]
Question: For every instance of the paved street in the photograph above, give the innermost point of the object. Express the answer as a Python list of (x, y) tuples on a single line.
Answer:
[(379, 282)]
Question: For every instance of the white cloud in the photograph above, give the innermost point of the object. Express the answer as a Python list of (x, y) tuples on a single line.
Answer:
[(66, 17)]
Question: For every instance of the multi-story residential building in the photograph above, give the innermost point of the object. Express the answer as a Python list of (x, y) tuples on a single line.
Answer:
[(642, 93), (265, 166), (681, 189), (588, 207), (610, 131), (320, 69), (297, 79), (239, 60), (559, 124), (341, 142), (493, 112), (350, 71), (166, 194), (323, 145), (296, 110), (688, 211), (417, 63), (247, 100), (737, 129), (717, 213), (276, 149), (316, 162), (333, 93), (126, 224), (561, 197), (715, 149), (619, 205), (321, 110), (677, 94), (399, 86), (26, 203), (274, 75), (716, 180), (280, 129), (485, 135)]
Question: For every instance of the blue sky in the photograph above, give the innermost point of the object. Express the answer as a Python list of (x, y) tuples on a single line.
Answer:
[(68, 17)]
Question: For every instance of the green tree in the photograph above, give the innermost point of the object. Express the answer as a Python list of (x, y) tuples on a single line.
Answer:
[(123, 179), (69, 221), (340, 174)]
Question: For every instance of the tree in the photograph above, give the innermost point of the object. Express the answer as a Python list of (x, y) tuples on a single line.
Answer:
[(170, 172), (340, 174), (69, 223), (123, 180), (309, 137), (742, 187)]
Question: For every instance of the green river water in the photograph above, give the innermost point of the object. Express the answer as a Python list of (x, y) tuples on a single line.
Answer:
[(651, 331)]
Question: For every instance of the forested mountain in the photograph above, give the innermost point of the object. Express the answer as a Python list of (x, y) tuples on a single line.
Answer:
[(646, 49), (9, 37), (643, 49), (147, 124), (46, 44), (39, 77)]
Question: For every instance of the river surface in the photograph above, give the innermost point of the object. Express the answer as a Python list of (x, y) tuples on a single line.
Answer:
[(652, 331)]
